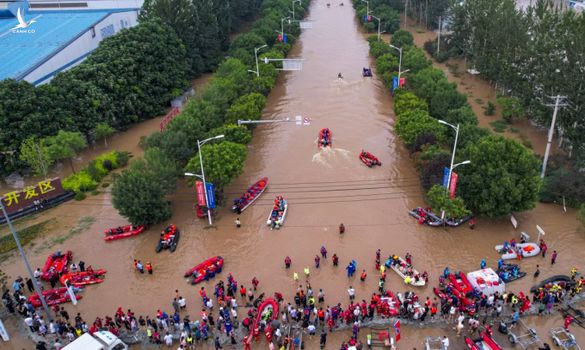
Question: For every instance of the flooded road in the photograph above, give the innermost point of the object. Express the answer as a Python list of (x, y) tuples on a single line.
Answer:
[(324, 187)]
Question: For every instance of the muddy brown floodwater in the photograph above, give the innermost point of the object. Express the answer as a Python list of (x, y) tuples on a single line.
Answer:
[(324, 187)]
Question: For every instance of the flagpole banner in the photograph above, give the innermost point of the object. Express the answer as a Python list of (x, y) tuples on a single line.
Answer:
[(200, 193), (453, 185), (397, 329), (445, 177)]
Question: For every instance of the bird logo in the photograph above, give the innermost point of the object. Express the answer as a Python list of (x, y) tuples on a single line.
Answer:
[(22, 23)]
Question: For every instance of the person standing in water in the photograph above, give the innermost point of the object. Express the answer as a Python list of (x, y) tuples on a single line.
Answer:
[(339, 76)]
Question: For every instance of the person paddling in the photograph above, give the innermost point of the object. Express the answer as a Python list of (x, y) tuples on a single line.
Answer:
[(341, 229)]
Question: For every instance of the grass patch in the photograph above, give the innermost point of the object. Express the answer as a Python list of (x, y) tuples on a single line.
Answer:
[(83, 224), (419, 31), (26, 235), (95, 192), (499, 125), (478, 100), (514, 130)]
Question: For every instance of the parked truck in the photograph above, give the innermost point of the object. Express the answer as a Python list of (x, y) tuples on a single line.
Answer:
[(101, 340)]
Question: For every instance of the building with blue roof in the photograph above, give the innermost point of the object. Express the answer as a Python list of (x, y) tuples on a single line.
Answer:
[(41, 38)]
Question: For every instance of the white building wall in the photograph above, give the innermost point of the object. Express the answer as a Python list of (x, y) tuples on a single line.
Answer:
[(76, 51)]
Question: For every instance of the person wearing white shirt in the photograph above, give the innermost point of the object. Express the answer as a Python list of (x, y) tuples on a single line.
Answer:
[(445, 342), (182, 303), (168, 339), (351, 293)]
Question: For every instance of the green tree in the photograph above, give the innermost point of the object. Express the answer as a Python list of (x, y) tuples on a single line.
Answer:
[(233, 133), (163, 168), (223, 162), (406, 101), (411, 124), (511, 108), (402, 38), (246, 107), (35, 156), (138, 195), (103, 131), (64, 145), (175, 144), (463, 115), (438, 198), (503, 177)]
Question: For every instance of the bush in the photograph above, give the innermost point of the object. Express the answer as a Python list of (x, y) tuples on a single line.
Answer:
[(490, 109), (79, 196), (247, 106), (95, 192), (80, 182)]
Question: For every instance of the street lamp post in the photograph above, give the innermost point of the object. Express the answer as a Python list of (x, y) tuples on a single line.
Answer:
[(367, 7), (199, 144), (399, 62), (456, 128), (293, 7), (282, 26), (26, 263), (257, 71), (379, 21)]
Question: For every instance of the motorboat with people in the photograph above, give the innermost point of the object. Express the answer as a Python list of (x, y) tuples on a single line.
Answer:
[(278, 213), (169, 238), (83, 278), (458, 222), (426, 216), (510, 272), (206, 270), (267, 313), (250, 196), (369, 159), (120, 232), (513, 250), (56, 264), (484, 342), (408, 274), (554, 282), (367, 72), (325, 138), (52, 297)]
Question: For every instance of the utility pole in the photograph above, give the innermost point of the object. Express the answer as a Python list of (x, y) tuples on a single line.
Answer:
[(439, 37), (405, 7), (558, 103), (23, 255)]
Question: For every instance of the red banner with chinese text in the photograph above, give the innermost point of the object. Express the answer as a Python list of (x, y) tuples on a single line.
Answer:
[(200, 193)]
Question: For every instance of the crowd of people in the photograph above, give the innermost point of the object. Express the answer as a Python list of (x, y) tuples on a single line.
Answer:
[(222, 320)]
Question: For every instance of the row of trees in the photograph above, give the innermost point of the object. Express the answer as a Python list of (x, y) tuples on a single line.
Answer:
[(530, 54), (389, 17), (503, 174), (233, 93), (130, 77)]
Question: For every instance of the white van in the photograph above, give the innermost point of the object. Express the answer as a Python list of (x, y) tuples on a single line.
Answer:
[(101, 340)]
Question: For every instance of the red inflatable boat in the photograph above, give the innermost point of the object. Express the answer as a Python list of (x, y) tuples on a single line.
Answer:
[(250, 196), (325, 138), (369, 159), (78, 279), (255, 330), (52, 297), (56, 264), (460, 282), (123, 232), (205, 270), (485, 342)]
